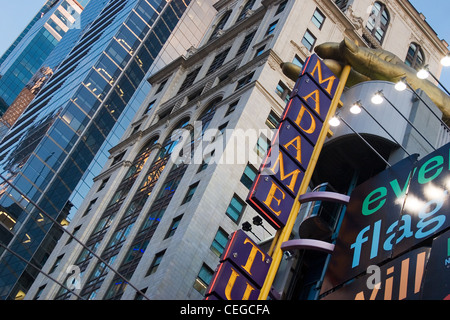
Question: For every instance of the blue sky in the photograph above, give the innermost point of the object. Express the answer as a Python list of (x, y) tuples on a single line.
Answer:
[(15, 15)]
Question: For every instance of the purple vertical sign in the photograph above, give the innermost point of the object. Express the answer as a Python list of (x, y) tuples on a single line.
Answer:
[(274, 189), (242, 270)]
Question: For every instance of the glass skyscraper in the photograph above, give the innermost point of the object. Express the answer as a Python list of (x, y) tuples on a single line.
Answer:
[(24, 58), (53, 151)]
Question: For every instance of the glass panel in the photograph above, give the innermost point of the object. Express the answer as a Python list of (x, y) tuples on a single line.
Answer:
[(118, 54), (137, 25)]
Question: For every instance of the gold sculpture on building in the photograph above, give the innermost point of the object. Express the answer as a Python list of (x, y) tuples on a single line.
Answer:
[(372, 64)]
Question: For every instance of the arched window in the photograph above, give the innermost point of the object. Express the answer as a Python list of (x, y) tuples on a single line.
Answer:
[(169, 144), (140, 159), (415, 57), (378, 21), (220, 24), (247, 6)]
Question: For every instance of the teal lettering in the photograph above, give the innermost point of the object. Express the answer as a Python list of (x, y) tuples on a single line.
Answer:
[(396, 187), (426, 168), (427, 219), (373, 197)]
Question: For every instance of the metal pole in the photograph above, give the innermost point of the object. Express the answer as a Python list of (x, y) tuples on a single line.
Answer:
[(366, 142), (429, 108), (362, 107), (409, 122), (437, 80)]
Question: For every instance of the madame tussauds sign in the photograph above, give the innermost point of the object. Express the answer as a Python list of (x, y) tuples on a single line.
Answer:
[(404, 207)]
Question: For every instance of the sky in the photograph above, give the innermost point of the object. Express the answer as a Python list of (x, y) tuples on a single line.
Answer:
[(15, 15)]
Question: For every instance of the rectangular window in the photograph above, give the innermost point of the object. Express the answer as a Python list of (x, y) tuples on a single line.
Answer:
[(271, 28), (149, 107), (283, 91), (161, 86), (190, 193), (103, 184), (74, 233), (39, 292), (297, 61), (203, 279), (190, 78), (118, 158), (235, 208), (218, 61), (309, 40), (206, 160), (245, 80), (231, 108), (222, 127), (89, 208), (249, 176), (56, 264), (259, 51), (262, 145), (281, 7), (246, 43), (173, 227), (156, 262), (219, 243), (318, 19), (273, 120)]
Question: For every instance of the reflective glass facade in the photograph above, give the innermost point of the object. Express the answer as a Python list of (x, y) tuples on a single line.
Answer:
[(60, 142), (45, 8), (29, 54)]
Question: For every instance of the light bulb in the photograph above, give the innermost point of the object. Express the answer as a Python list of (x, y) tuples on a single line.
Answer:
[(445, 61), (355, 108), (400, 86), (377, 98), (334, 122), (422, 74)]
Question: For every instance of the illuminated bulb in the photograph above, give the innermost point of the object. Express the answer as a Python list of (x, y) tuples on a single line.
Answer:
[(355, 109), (377, 98), (445, 61), (334, 122), (400, 86), (422, 74)]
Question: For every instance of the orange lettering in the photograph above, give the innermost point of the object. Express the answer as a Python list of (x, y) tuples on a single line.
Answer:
[(297, 143), (314, 96), (252, 255), (294, 174), (271, 196), (330, 80), (300, 115), (230, 285)]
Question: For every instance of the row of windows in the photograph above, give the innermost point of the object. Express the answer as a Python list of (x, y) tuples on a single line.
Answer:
[(377, 26), (234, 210)]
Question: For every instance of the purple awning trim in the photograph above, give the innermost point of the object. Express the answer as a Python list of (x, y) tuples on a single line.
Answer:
[(307, 244)]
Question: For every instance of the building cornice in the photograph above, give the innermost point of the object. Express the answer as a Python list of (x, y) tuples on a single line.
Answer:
[(422, 24), (211, 46)]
